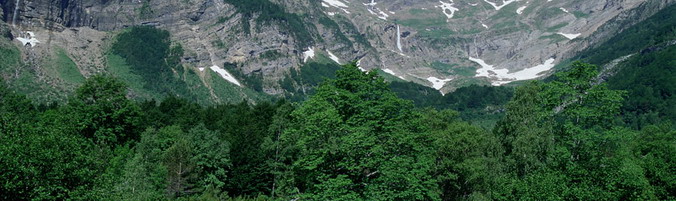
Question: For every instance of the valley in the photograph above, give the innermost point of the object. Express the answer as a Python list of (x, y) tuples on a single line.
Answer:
[(251, 100)]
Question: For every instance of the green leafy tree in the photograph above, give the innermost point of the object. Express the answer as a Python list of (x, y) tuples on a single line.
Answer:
[(526, 131), (467, 157), (40, 161), (103, 113), (354, 139), (181, 173), (655, 146), (211, 155), (560, 137)]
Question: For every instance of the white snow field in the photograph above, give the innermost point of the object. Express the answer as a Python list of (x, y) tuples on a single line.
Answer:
[(570, 36), (447, 7), (504, 3), (333, 57), (503, 76), (438, 83), (225, 75), (309, 54), (337, 4), (30, 39)]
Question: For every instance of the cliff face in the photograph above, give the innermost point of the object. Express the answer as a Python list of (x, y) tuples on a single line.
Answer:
[(424, 41)]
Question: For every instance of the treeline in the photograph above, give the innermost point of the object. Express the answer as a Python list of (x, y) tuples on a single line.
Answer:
[(150, 54), (649, 76), (481, 105), (650, 79), (354, 139)]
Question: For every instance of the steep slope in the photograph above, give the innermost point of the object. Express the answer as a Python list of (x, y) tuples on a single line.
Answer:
[(506, 41), (258, 44), (641, 61)]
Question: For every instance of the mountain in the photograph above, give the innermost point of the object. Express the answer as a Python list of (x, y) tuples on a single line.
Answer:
[(233, 50), (221, 100)]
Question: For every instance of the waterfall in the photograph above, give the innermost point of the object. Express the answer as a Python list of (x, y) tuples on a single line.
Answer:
[(16, 10), (399, 39)]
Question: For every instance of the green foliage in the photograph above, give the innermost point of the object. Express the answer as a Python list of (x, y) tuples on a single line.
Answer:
[(561, 143), (66, 68), (246, 127), (352, 142), (254, 79), (478, 104), (580, 14), (655, 30), (467, 157), (149, 53), (22, 79), (354, 139), (431, 27), (40, 160), (575, 95), (267, 12), (145, 11), (299, 84), (104, 113), (337, 32), (650, 80), (656, 147), (556, 28)]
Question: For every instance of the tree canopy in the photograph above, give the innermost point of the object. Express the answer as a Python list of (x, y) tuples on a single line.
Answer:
[(354, 139)]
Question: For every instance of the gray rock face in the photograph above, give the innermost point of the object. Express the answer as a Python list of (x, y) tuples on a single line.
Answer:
[(434, 43)]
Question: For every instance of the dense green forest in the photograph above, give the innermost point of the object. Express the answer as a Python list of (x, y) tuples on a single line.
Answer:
[(353, 139), (586, 133), (648, 74)]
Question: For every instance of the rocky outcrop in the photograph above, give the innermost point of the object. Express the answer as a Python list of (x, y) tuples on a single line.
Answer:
[(414, 39)]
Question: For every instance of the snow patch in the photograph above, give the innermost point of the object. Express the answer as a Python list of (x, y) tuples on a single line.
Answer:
[(333, 57), (570, 36), (484, 25), (520, 10), (225, 75), (504, 3), (438, 83), (564, 10), (336, 3), (388, 71), (371, 7), (201, 69), (29, 39), (359, 65), (309, 54), (503, 76), (447, 7)]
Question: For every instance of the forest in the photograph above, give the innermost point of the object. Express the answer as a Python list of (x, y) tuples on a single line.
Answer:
[(354, 138)]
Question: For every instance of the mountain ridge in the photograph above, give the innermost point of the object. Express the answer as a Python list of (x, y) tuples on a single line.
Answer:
[(266, 40)]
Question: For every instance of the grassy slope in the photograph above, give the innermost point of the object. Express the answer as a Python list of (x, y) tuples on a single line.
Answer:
[(657, 29), (24, 79), (66, 68), (648, 76)]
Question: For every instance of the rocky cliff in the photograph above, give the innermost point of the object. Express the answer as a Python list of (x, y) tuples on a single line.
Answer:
[(442, 44)]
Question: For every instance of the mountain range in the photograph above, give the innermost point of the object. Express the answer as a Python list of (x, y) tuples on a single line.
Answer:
[(233, 50)]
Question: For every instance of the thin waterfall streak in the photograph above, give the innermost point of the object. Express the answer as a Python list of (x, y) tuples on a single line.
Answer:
[(16, 10), (399, 39)]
